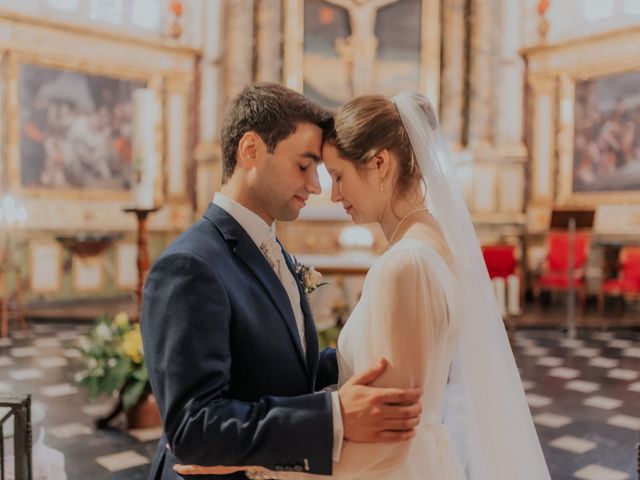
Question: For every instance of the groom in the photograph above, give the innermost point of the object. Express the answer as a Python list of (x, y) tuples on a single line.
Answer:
[(229, 339)]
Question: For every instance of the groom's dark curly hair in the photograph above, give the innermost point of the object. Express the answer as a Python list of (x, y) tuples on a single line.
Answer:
[(273, 112)]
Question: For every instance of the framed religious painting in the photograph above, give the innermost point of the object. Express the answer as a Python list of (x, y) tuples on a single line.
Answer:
[(70, 128), (338, 49), (600, 150)]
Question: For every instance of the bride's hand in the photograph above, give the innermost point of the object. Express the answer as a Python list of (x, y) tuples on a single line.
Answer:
[(216, 470)]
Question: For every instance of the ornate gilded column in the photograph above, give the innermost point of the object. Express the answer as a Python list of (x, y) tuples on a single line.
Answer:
[(269, 41), (509, 101), (212, 100), (453, 71), (509, 108), (480, 74), (543, 91), (239, 45)]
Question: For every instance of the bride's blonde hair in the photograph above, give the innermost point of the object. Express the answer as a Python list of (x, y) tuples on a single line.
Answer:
[(366, 125)]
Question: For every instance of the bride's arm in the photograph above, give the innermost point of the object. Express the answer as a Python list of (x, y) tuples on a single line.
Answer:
[(408, 317)]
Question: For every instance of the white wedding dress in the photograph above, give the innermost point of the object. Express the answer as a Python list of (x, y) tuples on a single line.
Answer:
[(406, 314)]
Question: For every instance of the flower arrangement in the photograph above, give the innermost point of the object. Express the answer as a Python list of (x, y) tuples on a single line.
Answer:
[(113, 360)]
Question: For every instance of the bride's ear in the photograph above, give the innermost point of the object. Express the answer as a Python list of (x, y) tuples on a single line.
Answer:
[(382, 163)]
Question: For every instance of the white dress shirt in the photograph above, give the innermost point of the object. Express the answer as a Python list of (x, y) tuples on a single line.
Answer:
[(259, 231)]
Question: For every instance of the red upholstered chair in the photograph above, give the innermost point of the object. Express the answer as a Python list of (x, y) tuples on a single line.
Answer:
[(627, 285), (500, 260), (554, 275)]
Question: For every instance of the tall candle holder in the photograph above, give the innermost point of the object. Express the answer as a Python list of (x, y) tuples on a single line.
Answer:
[(143, 251), (12, 217)]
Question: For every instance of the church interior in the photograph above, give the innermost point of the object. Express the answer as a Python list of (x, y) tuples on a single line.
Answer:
[(110, 119)]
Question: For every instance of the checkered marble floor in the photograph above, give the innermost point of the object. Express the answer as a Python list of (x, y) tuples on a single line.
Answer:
[(42, 362), (584, 395)]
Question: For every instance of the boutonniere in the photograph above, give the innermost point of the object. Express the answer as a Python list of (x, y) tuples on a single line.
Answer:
[(309, 277)]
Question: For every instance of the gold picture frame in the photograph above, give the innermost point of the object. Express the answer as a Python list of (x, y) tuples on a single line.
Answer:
[(570, 140), (429, 47), (556, 73), (14, 61)]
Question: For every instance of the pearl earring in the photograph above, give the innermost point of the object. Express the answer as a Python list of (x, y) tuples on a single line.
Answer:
[(382, 187)]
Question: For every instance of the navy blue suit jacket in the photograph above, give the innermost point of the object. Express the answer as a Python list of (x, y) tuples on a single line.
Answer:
[(232, 381)]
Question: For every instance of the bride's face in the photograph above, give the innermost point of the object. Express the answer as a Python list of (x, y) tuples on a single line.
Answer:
[(358, 189)]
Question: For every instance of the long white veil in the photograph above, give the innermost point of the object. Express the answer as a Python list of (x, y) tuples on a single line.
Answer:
[(488, 412)]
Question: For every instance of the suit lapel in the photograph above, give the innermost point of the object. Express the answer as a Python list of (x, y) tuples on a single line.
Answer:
[(248, 253), (309, 325)]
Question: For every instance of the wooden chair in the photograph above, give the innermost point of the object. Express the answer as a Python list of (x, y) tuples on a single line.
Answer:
[(627, 285), (502, 263), (500, 260), (554, 274)]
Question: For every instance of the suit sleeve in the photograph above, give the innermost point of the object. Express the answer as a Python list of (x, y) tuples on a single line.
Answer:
[(186, 319), (327, 369)]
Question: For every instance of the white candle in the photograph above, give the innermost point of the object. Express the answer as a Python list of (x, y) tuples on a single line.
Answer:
[(499, 289), (144, 148), (513, 295), (10, 212)]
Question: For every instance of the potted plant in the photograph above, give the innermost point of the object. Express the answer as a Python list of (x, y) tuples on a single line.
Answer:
[(113, 362)]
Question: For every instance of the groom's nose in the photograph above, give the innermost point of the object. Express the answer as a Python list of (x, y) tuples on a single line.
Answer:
[(313, 183)]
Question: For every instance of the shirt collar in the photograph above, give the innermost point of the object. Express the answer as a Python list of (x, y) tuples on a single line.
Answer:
[(251, 222)]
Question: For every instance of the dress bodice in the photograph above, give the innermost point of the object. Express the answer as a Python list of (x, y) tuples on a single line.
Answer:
[(433, 336)]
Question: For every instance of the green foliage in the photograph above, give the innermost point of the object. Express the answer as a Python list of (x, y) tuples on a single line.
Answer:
[(112, 360), (329, 337)]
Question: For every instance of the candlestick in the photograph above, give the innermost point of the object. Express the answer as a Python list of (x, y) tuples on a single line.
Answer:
[(12, 216), (143, 252)]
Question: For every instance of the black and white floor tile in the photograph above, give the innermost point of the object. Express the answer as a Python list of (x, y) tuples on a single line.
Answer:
[(584, 395), (43, 362)]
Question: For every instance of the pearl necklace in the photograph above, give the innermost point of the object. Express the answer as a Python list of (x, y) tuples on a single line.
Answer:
[(395, 230)]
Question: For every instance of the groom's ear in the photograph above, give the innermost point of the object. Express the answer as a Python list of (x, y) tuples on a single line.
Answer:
[(248, 149)]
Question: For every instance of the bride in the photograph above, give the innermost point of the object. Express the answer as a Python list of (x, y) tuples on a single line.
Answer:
[(427, 306)]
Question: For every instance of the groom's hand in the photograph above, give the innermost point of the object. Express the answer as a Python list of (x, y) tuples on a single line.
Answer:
[(371, 414)]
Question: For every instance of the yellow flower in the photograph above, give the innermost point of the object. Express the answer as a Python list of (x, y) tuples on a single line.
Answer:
[(132, 344), (121, 319)]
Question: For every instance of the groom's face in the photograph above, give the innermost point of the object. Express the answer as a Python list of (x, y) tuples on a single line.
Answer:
[(287, 176)]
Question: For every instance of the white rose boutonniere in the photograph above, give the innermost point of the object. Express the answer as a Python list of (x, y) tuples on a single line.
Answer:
[(309, 277)]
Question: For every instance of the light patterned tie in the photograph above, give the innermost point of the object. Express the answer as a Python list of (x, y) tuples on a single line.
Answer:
[(275, 257)]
